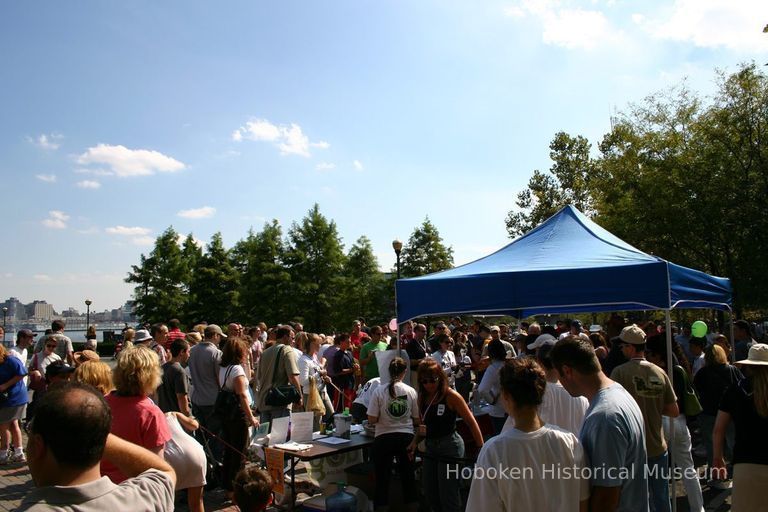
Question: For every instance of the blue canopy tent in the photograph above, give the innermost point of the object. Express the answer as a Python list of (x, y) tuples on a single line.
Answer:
[(566, 264)]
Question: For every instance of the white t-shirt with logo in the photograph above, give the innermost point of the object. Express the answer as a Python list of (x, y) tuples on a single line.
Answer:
[(394, 414), (366, 392)]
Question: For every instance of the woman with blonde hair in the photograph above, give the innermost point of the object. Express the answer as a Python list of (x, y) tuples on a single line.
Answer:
[(97, 374), (193, 338), (711, 383), (128, 335), (135, 417), (746, 404)]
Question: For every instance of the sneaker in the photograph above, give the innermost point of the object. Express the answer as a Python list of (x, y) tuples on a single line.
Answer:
[(18, 457), (4, 458), (719, 484)]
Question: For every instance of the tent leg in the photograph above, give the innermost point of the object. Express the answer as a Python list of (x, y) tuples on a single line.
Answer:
[(732, 354), (671, 441)]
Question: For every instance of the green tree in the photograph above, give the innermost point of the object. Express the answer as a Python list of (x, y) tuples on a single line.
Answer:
[(264, 288), (160, 293), (425, 252), (677, 177), (570, 181), (316, 263), (363, 284), (214, 286)]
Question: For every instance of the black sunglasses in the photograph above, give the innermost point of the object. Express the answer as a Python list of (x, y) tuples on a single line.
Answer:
[(432, 380)]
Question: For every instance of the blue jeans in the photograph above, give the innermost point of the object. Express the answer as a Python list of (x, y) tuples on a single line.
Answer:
[(441, 488), (658, 484)]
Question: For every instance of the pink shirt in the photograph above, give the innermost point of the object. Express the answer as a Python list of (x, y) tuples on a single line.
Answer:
[(138, 420)]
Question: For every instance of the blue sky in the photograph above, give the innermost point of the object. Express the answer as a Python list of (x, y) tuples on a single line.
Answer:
[(118, 119)]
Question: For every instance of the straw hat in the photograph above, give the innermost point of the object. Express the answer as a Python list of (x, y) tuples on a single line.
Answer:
[(758, 355)]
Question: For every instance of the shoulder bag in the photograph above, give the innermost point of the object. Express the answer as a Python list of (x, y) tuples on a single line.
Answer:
[(691, 405), (227, 406), (280, 396), (36, 378)]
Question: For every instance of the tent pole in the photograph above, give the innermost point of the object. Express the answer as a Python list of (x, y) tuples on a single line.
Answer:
[(672, 440), (732, 354)]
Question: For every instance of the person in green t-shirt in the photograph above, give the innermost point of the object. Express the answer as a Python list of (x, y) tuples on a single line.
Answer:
[(368, 356)]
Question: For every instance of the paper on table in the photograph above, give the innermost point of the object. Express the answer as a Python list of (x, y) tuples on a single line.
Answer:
[(293, 446), (279, 430), (261, 434), (333, 440), (301, 426)]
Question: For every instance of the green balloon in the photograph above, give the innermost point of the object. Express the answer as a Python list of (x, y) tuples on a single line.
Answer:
[(698, 329)]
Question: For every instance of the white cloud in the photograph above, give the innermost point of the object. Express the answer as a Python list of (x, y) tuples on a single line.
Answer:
[(94, 172), (358, 165), (736, 25), (289, 139), (143, 241), (47, 178), (325, 166), (128, 231), (41, 277), (567, 27), (56, 220), (89, 184), (47, 142), (198, 213), (126, 162), (181, 238), (7, 275)]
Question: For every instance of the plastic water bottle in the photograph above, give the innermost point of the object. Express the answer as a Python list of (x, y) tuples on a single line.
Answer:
[(342, 424), (341, 501)]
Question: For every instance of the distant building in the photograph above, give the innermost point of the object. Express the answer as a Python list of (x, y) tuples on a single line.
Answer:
[(40, 310), (16, 312)]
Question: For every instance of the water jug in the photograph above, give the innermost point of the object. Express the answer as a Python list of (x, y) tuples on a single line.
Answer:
[(341, 501)]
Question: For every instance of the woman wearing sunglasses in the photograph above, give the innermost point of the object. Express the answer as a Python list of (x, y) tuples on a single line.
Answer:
[(439, 407)]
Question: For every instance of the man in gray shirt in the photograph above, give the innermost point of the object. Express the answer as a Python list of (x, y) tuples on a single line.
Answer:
[(204, 362), (67, 440), (612, 433)]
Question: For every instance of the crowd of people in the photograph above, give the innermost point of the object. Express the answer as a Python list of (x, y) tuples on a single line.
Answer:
[(578, 419)]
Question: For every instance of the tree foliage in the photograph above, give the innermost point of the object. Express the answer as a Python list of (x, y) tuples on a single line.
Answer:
[(316, 261), (213, 294), (570, 181), (425, 252), (160, 279), (677, 176)]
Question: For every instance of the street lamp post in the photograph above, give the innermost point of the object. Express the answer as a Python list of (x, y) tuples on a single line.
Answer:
[(5, 313), (87, 313), (397, 245)]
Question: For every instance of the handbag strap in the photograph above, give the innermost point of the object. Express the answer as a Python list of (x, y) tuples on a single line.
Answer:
[(277, 362), (226, 374)]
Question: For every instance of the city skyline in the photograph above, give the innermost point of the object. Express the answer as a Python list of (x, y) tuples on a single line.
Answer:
[(123, 119)]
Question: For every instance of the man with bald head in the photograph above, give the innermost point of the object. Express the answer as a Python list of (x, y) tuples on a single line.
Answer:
[(67, 440)]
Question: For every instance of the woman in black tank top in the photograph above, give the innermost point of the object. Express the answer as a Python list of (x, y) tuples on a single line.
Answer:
[(439, 406)]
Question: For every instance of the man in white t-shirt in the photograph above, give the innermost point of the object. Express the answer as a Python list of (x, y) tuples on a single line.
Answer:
[(360, 405), (558, 407), (24, 340)]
